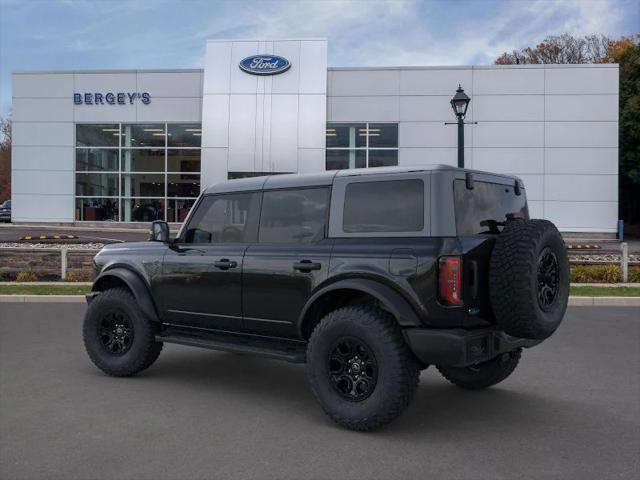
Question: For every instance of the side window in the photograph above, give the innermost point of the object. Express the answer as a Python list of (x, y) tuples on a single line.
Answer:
[(293, 216), (228, 218), (384, 206)]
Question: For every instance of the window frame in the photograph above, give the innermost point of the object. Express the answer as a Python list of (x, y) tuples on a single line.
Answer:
[(340, 184), (325, 227), (367, 148)]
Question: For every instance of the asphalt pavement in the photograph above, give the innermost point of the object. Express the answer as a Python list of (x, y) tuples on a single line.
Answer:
[(570, 411), (12, 233)]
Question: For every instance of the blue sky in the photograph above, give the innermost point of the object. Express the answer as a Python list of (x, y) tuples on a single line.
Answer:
[(105, 34)]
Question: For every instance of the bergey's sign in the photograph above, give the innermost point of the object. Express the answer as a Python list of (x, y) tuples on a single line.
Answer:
[(265, 64), (110, 98)]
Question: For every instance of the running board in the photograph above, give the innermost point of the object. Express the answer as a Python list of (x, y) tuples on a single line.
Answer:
[(278, 349)]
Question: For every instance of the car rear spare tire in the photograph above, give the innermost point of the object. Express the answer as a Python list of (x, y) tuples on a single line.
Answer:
[(529, 279)]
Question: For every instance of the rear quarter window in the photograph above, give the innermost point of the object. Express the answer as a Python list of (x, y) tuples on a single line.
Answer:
[(384, 206), (485, 207)]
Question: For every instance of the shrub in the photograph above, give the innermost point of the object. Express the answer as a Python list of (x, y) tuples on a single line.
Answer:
[(595, 273), (78, 276), (27, 275), (634, 274)]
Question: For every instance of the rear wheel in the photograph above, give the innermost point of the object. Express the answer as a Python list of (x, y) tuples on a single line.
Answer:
[(360, 368), (119, 339), (483, 375)]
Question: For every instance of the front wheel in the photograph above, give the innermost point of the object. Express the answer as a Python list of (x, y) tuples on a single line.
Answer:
[(483, 375), (118, 337), (361, 371)]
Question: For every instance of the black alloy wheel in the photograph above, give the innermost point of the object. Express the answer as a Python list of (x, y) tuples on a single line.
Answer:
[(116, 333), (353, 369), (548, 278)]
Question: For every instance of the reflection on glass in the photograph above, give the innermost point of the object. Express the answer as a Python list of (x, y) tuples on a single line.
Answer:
[(183, 161), (142, 209), (346, 135), (96, 209), (344, 159), (103, 135), (383, 135), (146, 160), (178, 209), (142, 185), (143, 135), (184, 135), (383, 158), (96, 184), (183, 185), (96, 159)]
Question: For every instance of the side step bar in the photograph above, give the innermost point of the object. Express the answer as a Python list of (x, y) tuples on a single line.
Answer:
[(278, 349)]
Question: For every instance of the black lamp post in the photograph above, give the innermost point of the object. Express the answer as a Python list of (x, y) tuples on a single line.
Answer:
[(459, 104)]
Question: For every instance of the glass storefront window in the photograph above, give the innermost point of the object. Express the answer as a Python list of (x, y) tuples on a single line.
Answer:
[(142, 209), (96, 185), (183, 161), (96, 209), (184, 135), (178, 209), (144, 135), (142, 185), (96, 160), (183, 185), (361, 145), (346, 135), (344, 159), (143, 160), (103, 135), (136, 172)]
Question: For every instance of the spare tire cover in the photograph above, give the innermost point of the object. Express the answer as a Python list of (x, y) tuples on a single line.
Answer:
[(529, 278)]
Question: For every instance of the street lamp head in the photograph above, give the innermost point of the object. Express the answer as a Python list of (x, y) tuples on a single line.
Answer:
[(460, 102)]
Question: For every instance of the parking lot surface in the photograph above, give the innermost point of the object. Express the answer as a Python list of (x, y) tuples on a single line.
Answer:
[(571, 410)]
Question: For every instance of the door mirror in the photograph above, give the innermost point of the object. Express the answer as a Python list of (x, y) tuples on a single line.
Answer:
[(159, 231)]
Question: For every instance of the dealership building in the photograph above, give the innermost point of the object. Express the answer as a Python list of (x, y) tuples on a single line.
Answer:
[(138, 145)]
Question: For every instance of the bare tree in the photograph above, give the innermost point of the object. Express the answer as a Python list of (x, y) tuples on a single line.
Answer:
[(5, 159), (563, 48)]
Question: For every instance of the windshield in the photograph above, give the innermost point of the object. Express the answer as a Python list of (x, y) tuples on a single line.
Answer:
[(484, 208)]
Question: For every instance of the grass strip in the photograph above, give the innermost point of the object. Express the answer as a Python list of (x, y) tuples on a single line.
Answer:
[(44, 289), (599, 291)]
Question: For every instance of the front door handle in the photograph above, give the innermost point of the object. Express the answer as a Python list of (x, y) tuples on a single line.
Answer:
[(225, 264), (306, 266)]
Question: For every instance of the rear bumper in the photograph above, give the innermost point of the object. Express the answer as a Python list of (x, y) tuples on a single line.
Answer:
[(457, 347)]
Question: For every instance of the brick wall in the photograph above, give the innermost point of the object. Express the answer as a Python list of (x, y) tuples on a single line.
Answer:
[(46, 264)]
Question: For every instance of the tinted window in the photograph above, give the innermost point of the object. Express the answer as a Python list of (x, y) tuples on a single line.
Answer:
[(293, 216), (483, 208), (224, 219), (384, 206)]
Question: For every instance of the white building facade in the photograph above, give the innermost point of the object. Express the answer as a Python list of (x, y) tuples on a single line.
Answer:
[(140, 145)]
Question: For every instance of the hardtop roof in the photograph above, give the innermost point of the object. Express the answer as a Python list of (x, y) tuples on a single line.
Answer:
[(290, 180)]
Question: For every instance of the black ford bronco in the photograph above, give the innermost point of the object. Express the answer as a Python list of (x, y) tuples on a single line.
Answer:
[(368, 276)]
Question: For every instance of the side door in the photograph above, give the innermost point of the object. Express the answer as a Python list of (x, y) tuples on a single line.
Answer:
[(200, 285), (290, 259)]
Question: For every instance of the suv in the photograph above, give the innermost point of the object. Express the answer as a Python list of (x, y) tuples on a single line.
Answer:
[(368, 276), (5, 211)]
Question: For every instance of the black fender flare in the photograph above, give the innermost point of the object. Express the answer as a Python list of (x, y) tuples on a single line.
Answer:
[(137, 286), (393, 301)]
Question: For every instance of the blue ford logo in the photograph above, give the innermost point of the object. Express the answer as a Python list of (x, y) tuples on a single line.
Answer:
[(265, 64)]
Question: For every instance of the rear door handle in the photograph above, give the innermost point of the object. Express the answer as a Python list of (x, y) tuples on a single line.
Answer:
[(306, 266), (225, 264)]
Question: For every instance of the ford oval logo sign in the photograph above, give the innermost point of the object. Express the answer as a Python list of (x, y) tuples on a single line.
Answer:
[(265, 64)]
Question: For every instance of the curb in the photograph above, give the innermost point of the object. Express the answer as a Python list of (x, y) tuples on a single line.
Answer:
[(573, 301)]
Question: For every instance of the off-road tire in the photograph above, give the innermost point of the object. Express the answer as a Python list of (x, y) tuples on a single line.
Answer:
[(143, 350), (485, 374), (397, 368), (514, 279)]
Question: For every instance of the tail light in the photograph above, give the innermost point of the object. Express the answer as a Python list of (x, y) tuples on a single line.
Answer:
[(450, 280)]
